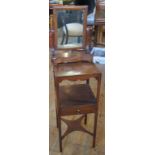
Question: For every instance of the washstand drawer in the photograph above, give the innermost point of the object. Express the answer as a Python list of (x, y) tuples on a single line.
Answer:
[(78, 110)]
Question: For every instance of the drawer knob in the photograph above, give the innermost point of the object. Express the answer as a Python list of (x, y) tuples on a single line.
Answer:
[(78, 110)]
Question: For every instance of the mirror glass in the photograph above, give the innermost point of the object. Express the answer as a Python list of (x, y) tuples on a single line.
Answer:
[(69, 28)]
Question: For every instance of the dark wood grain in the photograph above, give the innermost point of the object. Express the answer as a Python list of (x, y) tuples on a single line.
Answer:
[(71, 56), (76, 71)]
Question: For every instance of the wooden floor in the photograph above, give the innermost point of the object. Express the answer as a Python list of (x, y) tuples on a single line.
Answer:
[(76, 143)]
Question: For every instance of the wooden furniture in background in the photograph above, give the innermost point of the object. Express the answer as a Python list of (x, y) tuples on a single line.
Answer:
[(100, 22)]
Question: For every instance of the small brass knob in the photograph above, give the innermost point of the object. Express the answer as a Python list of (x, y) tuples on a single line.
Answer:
[(78, 110)]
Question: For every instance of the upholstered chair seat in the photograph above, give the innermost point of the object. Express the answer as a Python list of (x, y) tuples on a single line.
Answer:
[(74, 29), (70, 45)]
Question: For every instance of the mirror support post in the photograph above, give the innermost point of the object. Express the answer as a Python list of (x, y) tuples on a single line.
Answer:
[(52, 42)]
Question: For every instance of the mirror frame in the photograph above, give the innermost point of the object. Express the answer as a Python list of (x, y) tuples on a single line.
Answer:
[(84, 9)]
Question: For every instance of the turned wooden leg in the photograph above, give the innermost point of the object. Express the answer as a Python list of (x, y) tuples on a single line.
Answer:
[(95, 127), (60, 138)]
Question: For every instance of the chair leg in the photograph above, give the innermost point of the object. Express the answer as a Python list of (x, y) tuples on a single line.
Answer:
[(85, 120), (78, 39), (60, 138), (66, 39), (57, 120), (63, 37), (95, 127)]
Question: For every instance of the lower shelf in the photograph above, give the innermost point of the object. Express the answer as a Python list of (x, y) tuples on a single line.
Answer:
[(77, 99)]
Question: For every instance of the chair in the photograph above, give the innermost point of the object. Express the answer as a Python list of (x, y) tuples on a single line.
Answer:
[(74, 64), (71, 23), (90, 18)]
